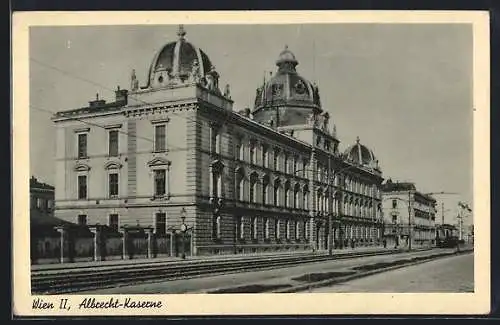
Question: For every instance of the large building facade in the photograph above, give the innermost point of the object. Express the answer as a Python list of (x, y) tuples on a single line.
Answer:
[(174, 151), (409, 215)]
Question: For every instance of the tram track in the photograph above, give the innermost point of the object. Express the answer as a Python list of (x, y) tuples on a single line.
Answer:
[(85, 279)]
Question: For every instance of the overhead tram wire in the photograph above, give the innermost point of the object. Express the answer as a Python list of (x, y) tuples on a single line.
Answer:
[(71, 75), (104, 87), (93, 124)]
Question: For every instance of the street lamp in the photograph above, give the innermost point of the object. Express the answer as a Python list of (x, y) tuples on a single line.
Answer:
[(184, 229)]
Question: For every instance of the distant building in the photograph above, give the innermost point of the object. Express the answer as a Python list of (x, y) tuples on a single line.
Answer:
[(451, 210), (174, 151), (41, 197), (408, 215)]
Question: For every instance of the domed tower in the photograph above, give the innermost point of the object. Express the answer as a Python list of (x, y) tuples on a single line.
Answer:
[(287, 98), (179, 62), (361, 155)]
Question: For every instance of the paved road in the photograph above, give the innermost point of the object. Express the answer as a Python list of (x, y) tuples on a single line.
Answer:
[(267, 277), (449, 274)]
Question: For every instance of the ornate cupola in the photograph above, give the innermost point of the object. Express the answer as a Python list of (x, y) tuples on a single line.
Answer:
[(361, 155), (286, 98), (178, 63)]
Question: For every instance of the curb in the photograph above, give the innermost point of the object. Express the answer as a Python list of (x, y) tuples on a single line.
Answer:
[(79, 273), (304, 287), (70, 269)]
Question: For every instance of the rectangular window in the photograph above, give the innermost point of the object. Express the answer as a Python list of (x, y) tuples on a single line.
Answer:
[(160, 138), (394, 204), (113, 222), (39, 203), (82, 187), (82, 219), (161, 223), (254, 228), (242, 228), (266, 228), (113, 143), (82, 145), (215, 141), (113, 185), (160, 181)]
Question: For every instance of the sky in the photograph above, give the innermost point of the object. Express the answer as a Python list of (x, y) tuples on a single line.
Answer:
[(404, 89)]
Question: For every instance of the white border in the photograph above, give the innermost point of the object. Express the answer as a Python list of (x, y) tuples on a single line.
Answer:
[(241, 304)]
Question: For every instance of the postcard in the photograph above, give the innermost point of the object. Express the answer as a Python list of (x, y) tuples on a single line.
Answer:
[(250, 163)]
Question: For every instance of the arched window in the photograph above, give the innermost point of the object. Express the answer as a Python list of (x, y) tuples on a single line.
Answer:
[(325, 201), (216, 184), (305, 198), (288, 201), (296, 193), (240, 184), (265, 189), (253, 187), (215, 138), (305, 166), (277, 228), (276, 159), (265, 156), (239, 148), (319, 203), (253, 152), (277, 192)]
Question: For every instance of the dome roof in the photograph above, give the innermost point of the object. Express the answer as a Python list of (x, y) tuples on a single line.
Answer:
[(177, 58), (361, 154), (287, 86)]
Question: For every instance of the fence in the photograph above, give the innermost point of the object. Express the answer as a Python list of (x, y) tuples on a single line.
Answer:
[(82, 245)]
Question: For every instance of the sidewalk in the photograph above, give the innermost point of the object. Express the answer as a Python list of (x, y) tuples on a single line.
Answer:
[(196, 259)]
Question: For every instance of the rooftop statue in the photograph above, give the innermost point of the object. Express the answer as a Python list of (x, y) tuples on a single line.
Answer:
[(227, 92), (195, 72), (134, 83)]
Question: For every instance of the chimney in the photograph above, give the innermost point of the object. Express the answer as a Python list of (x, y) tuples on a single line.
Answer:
[(121, 95), (97, 102)]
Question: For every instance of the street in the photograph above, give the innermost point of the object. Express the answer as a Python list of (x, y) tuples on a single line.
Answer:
[(266, 279), (449, 274)]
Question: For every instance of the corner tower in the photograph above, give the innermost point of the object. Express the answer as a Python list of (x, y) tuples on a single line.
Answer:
[(287, 98)]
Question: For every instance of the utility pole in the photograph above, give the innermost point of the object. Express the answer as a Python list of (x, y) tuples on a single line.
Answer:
[(459, 217), (442, 213), (410, 228)]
